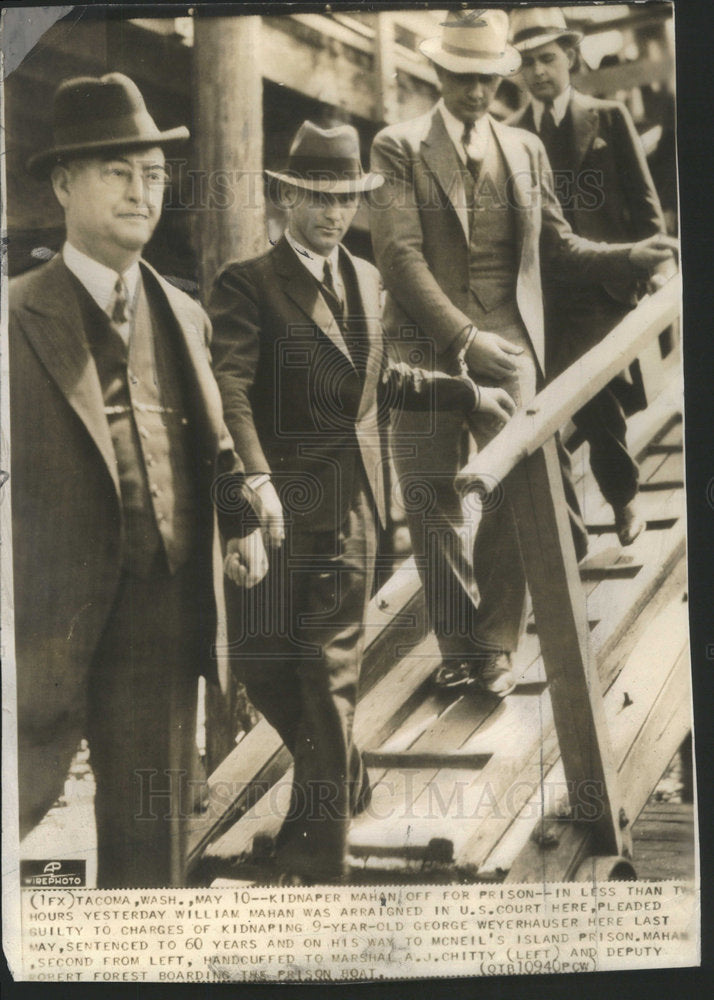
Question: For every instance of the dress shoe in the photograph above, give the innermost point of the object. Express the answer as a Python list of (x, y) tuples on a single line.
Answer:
[(492, 674), (496, 675), (629, 525), (454, 674)]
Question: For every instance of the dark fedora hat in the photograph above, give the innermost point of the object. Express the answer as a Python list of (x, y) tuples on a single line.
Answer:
[(327, 160), (94, 114)]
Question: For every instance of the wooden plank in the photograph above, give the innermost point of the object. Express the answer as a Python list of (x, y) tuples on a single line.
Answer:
[(535, 424), (426, 759), (642, 750), (298, 52), (536, 492)]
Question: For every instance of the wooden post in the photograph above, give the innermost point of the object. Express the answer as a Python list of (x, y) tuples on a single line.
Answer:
[(230, 220), (230, 206), (535, 488), (385, 69)]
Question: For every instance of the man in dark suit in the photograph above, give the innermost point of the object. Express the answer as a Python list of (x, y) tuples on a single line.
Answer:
[(459, 230), (606, 192), (118, 447), (299, 359)]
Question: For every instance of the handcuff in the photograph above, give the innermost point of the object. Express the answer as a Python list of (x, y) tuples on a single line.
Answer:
[(464, 368)]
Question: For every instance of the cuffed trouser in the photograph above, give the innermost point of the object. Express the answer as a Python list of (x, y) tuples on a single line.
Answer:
[(296, 642)]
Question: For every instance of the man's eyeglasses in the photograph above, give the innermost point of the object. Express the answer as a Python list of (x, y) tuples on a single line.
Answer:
[(119, 176)]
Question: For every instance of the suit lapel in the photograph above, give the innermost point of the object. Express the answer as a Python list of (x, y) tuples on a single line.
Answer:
[(585, 126), (437, 151), (198, 369), (519, 174), (55, 328), (302, 289)]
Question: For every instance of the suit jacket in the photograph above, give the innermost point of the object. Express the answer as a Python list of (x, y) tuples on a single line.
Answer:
[(293, 398), (614, 197), (420, 232), (67, 517)]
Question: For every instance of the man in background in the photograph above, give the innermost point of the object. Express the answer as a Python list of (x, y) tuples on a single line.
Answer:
[(465, 219), (606, 192)]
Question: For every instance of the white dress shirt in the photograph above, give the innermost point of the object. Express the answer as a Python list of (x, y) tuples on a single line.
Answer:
[(480, 134), (100, 281), (560, 106), (315, 263)]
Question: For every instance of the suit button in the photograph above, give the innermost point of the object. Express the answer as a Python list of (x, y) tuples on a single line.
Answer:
[(143, 431), (154, 490)]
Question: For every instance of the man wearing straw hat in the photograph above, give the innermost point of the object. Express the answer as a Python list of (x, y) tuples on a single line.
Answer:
[(605, 189), (458, 232), (118, 450), (299, 359)]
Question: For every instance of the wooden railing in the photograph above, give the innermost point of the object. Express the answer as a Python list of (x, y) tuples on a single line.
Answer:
[(523, 458)]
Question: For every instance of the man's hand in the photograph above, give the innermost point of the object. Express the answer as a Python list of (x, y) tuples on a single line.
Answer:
[(650, 253), (271, 514), (246, 562), (491, 356), (496, 403)]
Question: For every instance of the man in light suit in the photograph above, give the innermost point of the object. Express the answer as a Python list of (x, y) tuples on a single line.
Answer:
[(606, 192), (299, 359), (118, 449), (459, 230)]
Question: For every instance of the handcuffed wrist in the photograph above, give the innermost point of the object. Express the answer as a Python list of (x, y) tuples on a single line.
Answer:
[(258, 480)]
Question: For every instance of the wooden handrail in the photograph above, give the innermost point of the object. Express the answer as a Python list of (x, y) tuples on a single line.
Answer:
[(536, 423)]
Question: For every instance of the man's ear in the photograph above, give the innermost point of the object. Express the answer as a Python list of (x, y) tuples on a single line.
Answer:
[(572, 55), (61, 183), (288, 195)]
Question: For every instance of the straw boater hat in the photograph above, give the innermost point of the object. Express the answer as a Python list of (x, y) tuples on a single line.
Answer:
[(535, 26), (474, 41), (327, 160), (98, 114)]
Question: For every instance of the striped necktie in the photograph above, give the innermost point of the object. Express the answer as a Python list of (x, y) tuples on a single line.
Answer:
[(118, 308), (472, 165)]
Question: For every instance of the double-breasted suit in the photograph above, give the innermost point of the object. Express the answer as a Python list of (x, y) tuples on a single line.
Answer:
[(607, 193), (452, 253), (103, 652), (306, 397)]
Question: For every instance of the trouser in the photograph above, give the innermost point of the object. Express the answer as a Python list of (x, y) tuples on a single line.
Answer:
[(578, 319), (469, 557), (142, 726), (296, 642)]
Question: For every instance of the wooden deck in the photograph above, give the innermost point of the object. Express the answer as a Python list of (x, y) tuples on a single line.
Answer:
[(469, 788)]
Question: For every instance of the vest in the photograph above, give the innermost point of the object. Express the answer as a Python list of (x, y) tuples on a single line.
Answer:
[(561, 156), (493, 251), (145, 406)]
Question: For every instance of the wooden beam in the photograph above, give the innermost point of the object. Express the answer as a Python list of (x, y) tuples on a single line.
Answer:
[(386, 69), (228, 192), (535, 489), (535, 424)]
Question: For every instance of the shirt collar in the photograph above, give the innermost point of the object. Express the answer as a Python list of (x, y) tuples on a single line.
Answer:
[(560, 106), (314, 262), (98, 279), (455, 128)]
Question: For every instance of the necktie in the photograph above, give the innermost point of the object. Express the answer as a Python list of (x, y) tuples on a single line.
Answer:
[(472, 164), (119, 308), (330, 292), (548, 128)]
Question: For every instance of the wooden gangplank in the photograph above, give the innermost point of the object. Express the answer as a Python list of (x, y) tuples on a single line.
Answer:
[(468, 787)]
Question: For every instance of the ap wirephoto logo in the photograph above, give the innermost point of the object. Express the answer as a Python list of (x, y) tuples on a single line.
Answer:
[(53, 873)]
